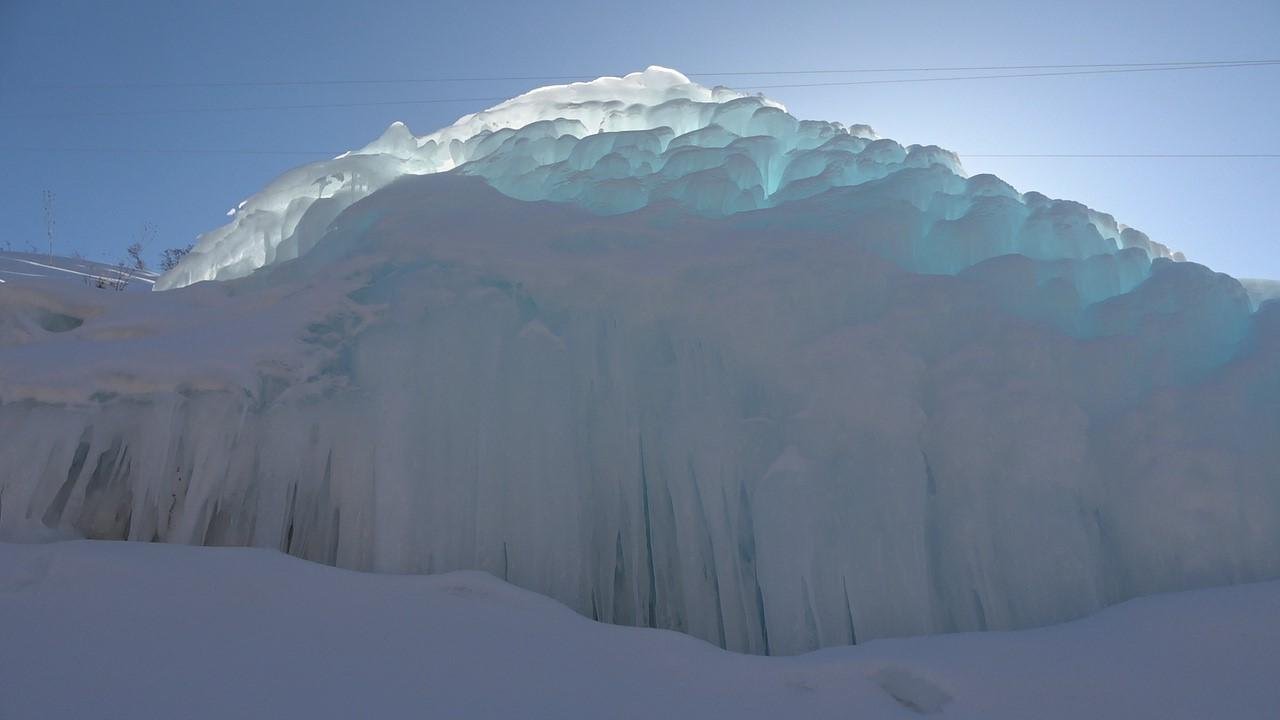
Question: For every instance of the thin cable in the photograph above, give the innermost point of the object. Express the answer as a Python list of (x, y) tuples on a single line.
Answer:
[(253, 108), (169, 151), (1138, 156), (731, 73), (1109, 71), (956, 68), (331, 153), (433, 101)]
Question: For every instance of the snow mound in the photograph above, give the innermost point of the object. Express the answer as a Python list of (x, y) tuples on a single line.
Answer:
[(223, 633)]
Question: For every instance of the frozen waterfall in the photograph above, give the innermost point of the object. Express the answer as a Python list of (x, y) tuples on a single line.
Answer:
[(676, 358)]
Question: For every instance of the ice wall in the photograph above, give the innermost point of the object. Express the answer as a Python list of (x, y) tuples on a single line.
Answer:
[(761, 428)]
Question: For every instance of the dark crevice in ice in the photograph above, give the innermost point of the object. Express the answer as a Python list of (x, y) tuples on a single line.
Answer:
[(848, 611), (711, 568), (54, 512), (651, 618), (620, 614), (982, 613), (506, 567), (747, 550)]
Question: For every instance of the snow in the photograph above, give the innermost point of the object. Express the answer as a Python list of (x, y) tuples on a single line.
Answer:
[(85, 272), (94, 629), (775, 407), (67, 342), (1261, 290)]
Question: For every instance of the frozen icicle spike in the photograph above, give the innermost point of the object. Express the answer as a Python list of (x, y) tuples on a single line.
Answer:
[(617, 144)]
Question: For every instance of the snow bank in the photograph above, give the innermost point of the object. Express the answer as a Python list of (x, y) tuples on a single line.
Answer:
[(134, 630)]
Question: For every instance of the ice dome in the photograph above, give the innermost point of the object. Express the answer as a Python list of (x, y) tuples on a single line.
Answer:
[(266, 227), (615, 145)]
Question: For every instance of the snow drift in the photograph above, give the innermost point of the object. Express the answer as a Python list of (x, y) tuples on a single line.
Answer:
[(677, 359), (152, 631)]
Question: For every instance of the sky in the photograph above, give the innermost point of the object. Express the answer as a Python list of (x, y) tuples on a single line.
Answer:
[(112, 167)]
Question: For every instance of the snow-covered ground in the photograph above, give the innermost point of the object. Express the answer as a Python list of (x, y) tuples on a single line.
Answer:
[(134, 630), (85, 272)]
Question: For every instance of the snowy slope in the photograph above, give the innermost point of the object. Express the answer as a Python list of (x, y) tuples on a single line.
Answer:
[(816, 388), (85, 272), (148, 631)]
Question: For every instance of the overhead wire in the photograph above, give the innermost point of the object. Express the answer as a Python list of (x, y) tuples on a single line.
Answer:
[(332, 153), (1042, 70), (1098, 70), (728, 73)]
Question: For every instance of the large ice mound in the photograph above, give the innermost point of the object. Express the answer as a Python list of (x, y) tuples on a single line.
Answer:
[(615, 145), (676, 359), (270, 226)]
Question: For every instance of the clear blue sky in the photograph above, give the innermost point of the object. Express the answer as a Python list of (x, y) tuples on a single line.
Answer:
[(1222, 212)]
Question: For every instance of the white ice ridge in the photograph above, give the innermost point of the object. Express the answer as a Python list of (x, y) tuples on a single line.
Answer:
[(614, 145), (265, 228)]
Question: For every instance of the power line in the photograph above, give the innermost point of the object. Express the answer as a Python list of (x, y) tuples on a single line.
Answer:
[(961, 68), (731, 73), (331, 153), (168, 151), (254, 108), (1106, 71), (1137, 156), (433, 101)]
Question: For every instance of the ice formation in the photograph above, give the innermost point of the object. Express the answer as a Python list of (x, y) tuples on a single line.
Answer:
[(614, 145), (286, 219), (677, 359)]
